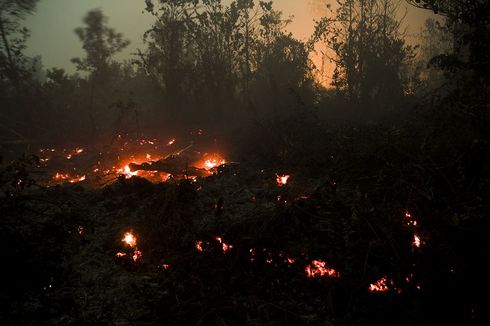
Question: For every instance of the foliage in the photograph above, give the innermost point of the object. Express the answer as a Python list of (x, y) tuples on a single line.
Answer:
[(369, 51)]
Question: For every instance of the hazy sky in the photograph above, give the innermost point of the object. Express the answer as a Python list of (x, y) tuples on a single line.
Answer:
[(52, 25)]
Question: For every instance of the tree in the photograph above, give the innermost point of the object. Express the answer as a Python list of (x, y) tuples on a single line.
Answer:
[(13, 36), (468, 21), (100, 42), (369, 51)]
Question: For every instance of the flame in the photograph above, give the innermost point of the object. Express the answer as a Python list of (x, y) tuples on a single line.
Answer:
[(78, 179), (76, 151), (417, 242), (126, 171), (410, 221), (211, 163), (137, 254), (380, 285), (225, 247), (198, 246), (319, 268), (129, 239), (65, 176), (61, 176), (282, 180)]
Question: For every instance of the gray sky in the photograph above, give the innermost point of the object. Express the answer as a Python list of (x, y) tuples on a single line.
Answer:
[(52, 25)]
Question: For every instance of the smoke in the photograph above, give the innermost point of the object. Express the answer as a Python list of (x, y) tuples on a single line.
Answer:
[(320, 7)]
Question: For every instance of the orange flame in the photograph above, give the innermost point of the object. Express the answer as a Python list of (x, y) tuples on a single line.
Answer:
[(282, 180), (129, 239), (225, 247), (417, 242), (380, 285), (319, 268), (198, 246), (137, 254)]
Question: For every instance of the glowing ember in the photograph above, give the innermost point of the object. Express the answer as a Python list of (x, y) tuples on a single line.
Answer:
[(137, 255), (129, 239), (171, 142), (380, 285), (198, 246), (211, 163), (416, 241), (126, 171), (226, 247), (120, 254), (252, 254), (165, 266), (410, 221), (80, 230), (78, 179), (319, 268), (290, 260), (75, 152), (282, 180), (61, 176)]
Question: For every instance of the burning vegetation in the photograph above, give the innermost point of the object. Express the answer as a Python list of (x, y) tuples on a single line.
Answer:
[(220, 177)]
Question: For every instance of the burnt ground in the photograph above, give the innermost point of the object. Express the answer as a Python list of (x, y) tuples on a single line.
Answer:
[(345, 204)]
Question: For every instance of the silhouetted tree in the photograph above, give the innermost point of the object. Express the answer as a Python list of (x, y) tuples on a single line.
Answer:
[(369, 51), (13, 37), (100, 43), (468, 21)]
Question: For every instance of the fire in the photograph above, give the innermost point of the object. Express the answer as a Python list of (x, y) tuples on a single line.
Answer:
[(78, 179), (76, 151), (226, 247), (126, 171), (120, 254), (417, 242), (410, 221), (171, 142), (137, 255), (211, 163), (61, 176), (380, 285), (282, 180), (65, 176), (198, 246), (129, 239), (319, 268)]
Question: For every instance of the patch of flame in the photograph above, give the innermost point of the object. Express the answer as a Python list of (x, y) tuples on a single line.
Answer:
[(318, 268), (129, 239), (417, 242), (137, 254), (225, 247), (380, 285), (198, 246), (282, 180)]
